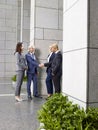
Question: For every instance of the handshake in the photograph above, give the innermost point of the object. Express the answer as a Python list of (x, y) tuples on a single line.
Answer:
[(41, 65)]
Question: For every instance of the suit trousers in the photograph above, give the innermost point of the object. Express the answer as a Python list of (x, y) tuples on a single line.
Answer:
[(49, 83), (19, 80), (32, 77), (56, 82)]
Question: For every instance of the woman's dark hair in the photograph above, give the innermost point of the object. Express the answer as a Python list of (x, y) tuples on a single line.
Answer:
[(18, 47)]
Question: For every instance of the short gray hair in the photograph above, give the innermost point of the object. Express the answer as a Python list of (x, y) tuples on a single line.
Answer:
[(31, 46)]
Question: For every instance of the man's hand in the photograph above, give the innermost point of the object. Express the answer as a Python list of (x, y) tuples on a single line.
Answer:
[(41, 65)]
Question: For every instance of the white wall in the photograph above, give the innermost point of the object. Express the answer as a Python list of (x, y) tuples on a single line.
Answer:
[(75, 50)]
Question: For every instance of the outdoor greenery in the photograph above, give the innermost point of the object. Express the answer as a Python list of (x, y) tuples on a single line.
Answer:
[(58, 113), (14, 78)]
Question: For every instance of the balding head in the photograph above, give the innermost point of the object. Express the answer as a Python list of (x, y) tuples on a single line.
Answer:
[(54, 47)]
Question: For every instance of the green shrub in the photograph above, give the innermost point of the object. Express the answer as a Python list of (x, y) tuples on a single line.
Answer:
[(14, 78), (91, 118), (58, 113)]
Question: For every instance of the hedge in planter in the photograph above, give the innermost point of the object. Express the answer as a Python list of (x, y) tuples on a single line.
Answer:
[(14, 78), (58, 113), (14, 81)]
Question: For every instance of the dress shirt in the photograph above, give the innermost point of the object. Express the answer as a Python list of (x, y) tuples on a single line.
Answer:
[(49, 56)]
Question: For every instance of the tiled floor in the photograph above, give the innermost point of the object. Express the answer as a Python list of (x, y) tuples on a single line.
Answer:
[(18, 115)]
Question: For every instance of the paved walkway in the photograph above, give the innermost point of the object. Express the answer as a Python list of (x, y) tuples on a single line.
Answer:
[(18, 115)]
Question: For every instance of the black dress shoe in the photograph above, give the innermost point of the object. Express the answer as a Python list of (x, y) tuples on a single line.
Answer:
[(29, 97), (37, 96)]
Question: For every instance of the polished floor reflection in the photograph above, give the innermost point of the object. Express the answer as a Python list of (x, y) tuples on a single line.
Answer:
[(18, 115)]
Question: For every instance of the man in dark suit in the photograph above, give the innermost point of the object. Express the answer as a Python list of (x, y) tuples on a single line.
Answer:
[(56, 67), (32, 72), (49, 82)]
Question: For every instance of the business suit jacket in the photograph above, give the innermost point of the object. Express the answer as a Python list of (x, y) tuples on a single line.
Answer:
[(20, 62), (48, 64), (32, 63)]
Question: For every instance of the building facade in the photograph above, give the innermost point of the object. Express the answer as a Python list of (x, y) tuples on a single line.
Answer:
[(42, 22)]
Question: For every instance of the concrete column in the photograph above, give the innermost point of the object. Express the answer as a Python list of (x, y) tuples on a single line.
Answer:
[(80, 66), (92, 91), (32, 20), (26, 22)]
